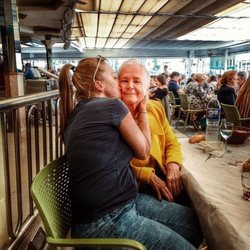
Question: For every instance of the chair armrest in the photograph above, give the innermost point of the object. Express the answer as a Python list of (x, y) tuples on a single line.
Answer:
[(98, 242), (245, 119)]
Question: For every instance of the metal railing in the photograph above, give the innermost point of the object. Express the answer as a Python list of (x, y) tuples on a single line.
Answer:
[(29, 129)]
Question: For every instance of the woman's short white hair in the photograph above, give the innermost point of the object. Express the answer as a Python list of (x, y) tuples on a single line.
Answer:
[(138, 63)]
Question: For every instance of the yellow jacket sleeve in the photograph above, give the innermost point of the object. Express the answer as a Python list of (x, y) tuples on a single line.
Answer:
[(142, 173), (172, 146)]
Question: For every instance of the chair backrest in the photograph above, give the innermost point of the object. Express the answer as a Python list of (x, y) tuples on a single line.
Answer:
[(231, 113), (50, 192), (165, 103), (185, 104), (171, 98)]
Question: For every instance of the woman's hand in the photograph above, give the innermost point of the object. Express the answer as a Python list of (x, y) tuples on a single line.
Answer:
[(173, 180), (142, 105), (160, 188)]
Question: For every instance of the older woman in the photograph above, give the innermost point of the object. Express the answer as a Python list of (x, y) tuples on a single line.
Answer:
[(161, 171), (196, 92), (101, 137), (229, 81), (165, 150)]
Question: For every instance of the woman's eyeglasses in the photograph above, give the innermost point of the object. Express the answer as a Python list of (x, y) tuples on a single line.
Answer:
[(96, 70)]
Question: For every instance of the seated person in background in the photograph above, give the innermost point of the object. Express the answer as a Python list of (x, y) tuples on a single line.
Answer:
[(227, 94), (183, 81), (161, 93), (196, 93), (30, 72), (190, 79), (152, 86), (242, 78), (173, 85), (162, 89), (101, 137), (213, 81), (208, 87), (218, 85), (166, 71), (53, 71), (243, 102)]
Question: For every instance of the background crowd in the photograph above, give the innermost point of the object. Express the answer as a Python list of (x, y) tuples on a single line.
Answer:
[(231, 88)]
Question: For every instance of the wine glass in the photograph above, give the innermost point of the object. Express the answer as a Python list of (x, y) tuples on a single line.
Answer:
[(226, 130)]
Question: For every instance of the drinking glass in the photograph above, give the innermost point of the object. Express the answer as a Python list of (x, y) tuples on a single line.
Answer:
[(226, 130)]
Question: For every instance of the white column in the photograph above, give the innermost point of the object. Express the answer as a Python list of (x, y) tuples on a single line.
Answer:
[(225, 60)]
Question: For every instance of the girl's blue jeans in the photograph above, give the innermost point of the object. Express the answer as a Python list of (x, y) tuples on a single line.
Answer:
[(157, 225)]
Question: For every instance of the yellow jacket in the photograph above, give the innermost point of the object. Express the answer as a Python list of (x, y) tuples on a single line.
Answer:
[(164, 145)]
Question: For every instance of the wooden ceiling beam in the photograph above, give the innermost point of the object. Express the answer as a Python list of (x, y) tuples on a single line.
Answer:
[(41, 7)]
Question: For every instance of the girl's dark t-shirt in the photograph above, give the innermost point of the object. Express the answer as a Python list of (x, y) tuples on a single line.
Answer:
[(101, 179), (160, 93)]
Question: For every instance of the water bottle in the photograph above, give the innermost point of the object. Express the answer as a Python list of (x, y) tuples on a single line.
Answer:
[(213, 119)]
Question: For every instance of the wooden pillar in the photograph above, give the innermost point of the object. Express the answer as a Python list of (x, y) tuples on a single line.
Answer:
[(3, 219), (13, 81), (48, 45), (11, 47)]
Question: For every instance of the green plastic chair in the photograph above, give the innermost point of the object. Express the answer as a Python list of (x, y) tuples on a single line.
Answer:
[(173, 105), (185, 107), (49, 191), (232, 114)]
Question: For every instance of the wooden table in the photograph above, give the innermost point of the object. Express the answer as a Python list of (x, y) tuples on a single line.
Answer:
[(214, 186)]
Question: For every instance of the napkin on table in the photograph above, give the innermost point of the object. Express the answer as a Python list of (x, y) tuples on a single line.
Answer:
[(214, 148)]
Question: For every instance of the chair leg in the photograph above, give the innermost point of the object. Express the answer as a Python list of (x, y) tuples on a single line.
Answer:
[(179, 116), (171, 116), (196, 125), (186, 120), (195, 121)]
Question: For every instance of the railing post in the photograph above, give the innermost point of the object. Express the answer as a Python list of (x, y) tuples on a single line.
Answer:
[(3, 218), (17, 170)]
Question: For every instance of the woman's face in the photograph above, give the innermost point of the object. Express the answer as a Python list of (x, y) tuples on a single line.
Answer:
[(234, 81), (201, 81), (241, 81), (133, 83), (158, 83), (111, 88)]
